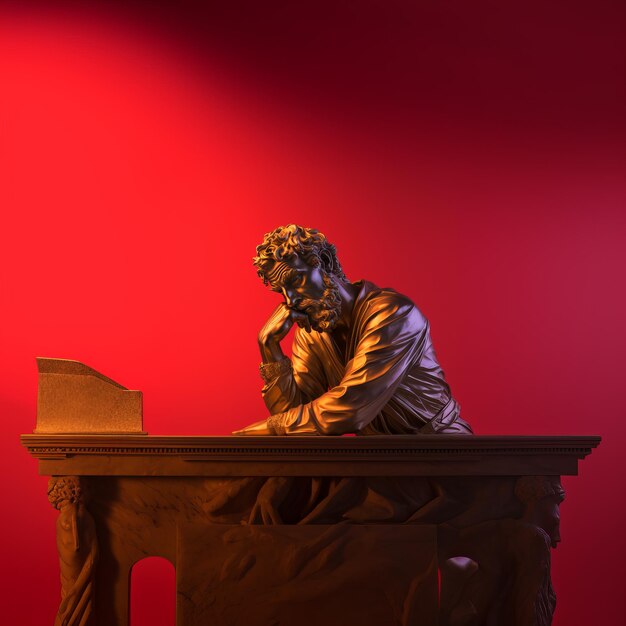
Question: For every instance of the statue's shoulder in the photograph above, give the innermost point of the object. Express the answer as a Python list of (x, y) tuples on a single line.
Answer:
[(387, 301)]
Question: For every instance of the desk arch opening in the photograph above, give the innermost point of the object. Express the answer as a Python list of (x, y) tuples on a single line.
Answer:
[(153, 592)]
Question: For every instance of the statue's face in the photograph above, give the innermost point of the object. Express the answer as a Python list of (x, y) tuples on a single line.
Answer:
[(552, 520), (309, 290)]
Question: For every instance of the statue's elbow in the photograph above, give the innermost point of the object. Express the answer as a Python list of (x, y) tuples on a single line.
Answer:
[(339, 425), (329, 428)]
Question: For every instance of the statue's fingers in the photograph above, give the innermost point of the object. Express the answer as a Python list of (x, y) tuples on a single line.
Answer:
[(302, 320), (258, 428), (248, 430)]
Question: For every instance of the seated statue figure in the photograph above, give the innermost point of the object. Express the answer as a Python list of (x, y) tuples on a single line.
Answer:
[(362, 359)]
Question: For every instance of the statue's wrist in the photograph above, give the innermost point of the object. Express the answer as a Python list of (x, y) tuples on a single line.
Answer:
[(275, 425), (270, 371)]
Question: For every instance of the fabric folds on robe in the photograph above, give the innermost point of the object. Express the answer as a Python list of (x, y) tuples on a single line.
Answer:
[(388, 382)]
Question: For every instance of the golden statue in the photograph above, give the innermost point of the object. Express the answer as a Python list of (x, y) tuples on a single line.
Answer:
[(362, 362)]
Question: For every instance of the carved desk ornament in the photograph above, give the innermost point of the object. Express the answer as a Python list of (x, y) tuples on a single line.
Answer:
[(396, 528)]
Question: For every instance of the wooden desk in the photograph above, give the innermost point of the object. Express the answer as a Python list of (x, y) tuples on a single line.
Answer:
[(286, 531)]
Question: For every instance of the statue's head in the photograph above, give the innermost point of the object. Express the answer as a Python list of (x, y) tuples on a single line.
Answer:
[(64, 490), (541, 497), (302, 265)]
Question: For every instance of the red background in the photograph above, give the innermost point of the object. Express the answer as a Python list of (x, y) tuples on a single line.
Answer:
[(471, 155)]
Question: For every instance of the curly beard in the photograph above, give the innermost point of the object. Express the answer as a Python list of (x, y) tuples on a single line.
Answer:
[(324, 313)]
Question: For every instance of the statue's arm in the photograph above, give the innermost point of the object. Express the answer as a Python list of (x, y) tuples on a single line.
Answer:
[(393, 337), (292, 382), (289, 383)]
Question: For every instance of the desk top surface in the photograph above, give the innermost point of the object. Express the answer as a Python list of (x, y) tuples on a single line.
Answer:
[(119, 454)]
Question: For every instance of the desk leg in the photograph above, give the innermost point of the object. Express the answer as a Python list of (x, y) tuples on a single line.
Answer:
[(77, 545)]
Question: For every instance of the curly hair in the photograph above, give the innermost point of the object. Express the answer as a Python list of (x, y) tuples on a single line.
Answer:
[(309, 244), (67, 488)]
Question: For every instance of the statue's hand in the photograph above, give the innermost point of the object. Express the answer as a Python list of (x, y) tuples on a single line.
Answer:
[(258, 428), (277, 326), (276, 329)]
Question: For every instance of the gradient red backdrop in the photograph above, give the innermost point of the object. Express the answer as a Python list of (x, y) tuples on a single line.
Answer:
[(471, 155)]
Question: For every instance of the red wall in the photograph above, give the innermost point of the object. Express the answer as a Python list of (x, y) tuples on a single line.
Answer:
[(470, 155)]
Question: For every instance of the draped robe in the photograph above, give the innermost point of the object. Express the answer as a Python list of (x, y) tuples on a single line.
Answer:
[(387, 382)]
